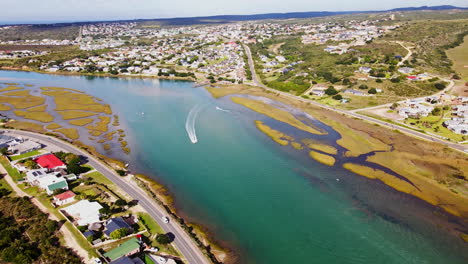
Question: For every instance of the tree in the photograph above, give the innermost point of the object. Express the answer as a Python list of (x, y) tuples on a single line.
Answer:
[(378, 81), (436, 111), (4, 151), (31, 164), (119, 233), (394, 106), (71, 158), (121, 172), (163, 239), (337, 97), (363, 87), (372, 91), (331, 91), (4, 192), (439, 86), (104, 210), (120, 202)]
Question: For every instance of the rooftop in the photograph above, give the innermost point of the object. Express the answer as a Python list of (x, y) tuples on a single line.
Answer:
[(49, 161), (123, 249)]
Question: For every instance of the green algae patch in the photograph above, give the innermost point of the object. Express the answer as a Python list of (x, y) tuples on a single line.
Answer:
[(426, 190), (75, 114), (277, 136), (322, 158), (297, 145), (312, 144), (275, 113), (21, 99), (24, 125), (81, 122), (10, 88), (70, 133), (69, 99), (41, 108), (4, 107), (53, 126), (43, 117)]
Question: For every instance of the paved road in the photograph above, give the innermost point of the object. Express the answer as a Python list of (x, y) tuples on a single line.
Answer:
[(182, 241), (256, 81)]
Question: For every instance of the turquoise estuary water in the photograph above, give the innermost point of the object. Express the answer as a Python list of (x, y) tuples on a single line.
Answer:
[(271, 203)]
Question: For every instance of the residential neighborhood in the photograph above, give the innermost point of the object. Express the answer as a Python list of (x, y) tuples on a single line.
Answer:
[(115, 230)]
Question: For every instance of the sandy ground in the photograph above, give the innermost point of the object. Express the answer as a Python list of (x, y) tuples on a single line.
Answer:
[(460, 89), (383, 113), (67, 235)]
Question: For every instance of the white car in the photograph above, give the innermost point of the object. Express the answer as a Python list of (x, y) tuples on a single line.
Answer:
[(165, 219), (97, 261)]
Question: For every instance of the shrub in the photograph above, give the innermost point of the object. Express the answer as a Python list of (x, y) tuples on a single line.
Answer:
[(337, 97), (372, 91), (163, 239), (331, 91), (363, 87), (439, 86), (119, 233)]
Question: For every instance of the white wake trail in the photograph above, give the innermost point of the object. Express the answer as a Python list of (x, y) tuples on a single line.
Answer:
[(224, 110), (190, 123)]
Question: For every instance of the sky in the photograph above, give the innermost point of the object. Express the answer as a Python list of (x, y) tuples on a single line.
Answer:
[(91, 10)]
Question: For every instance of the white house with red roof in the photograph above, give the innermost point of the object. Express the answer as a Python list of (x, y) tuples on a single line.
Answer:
[(64, 198), (50, 161)]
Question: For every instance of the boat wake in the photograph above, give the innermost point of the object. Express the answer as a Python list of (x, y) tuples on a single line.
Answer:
[(190, 123), (224, 110)]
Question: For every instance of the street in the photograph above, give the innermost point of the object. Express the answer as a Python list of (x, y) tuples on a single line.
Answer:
[(182, 241)]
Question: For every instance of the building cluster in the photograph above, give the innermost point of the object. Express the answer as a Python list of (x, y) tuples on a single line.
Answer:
[(95, 217), (348, 34), (18, 54), (458, 123)]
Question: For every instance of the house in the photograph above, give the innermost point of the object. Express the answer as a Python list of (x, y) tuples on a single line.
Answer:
[(33, 176), (116, 223), (405, 70), (50, 161), (127, 260), (128, 248), (24, 147), (365, 69), (5, 141), (162, 260), (355, 92), (84, 212), (55, 184), (64, 198)]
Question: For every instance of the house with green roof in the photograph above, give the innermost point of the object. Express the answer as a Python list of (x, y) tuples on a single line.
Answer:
[(128, 248)]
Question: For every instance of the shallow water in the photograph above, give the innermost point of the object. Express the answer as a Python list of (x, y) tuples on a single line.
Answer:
[(272, 203)]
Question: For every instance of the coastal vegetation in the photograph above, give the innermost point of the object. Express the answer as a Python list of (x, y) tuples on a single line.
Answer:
[(81, 122), (322, 158), (275, 113), (28, 236), (70, 133), (439, 172), (275, 135), (43, 117), (315, 145)]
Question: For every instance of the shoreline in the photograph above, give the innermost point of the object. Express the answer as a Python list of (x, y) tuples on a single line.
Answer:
[(460, 209), (307, 108), (27, 69)]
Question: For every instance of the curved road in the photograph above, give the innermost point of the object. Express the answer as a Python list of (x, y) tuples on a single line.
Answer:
[(182, 241), (257, 82)]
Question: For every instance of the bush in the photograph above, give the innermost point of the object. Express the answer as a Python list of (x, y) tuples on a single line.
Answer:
[(163, 239), (372, 91), (121, 172), (378, 81), (119, 233), (363, 87), (337, 97), (331, 91), (440, 86)]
